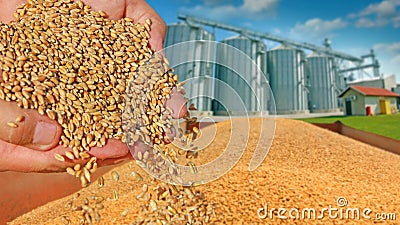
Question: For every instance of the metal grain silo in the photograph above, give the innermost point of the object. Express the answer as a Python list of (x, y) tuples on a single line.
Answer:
[(191, 55), (241, 64), (340, 82), (287, 80), (321, 73)]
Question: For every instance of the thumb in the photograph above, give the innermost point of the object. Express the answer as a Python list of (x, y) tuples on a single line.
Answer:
[(32, 131)]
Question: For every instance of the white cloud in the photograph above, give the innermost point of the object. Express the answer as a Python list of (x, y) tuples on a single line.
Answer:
[(222, 12), (365, 22), (384, 9), (317, 29), (396, 22), (369, 23), (396, 61), (391, 48), (257, 6), (253, 9), (217, 2), (378, 14)]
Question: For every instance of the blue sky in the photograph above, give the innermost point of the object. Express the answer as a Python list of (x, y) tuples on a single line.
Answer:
[(353, 26)]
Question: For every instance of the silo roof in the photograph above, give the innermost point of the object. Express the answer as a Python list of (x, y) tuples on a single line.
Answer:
[(316, 54), (185, 24), (241, 36), (281, 47), (236, 37)]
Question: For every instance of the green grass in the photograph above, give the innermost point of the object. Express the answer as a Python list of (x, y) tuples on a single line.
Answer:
[(385, 125)]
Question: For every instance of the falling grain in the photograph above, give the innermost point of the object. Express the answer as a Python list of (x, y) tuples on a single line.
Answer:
[(59, 157), (12, 124), (125, 212), (69, 155), (115, 175), (100, 182), (193, 168), (195, 130), (20, 119), (70, 171), (115, 195), (65, 220), (137, 176)]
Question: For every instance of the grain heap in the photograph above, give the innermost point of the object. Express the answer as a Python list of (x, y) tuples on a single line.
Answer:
[(307, 167), (72, 64)]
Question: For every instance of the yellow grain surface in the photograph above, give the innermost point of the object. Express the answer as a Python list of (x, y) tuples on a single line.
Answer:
[(307, 167)]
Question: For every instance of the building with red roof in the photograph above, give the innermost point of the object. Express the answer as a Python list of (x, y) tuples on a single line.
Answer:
[(363, 100)]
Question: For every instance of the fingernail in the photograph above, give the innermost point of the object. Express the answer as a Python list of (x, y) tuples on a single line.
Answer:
[(44, 134)]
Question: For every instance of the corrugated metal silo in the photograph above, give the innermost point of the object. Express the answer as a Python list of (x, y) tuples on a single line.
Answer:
[(340, 82), (191, 55), (287, 80), (320, 71), (246, 75)]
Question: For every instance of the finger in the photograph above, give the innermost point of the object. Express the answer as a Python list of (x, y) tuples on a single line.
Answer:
[(157, 36), (22, 159), (113, 149), (177, 103), (113, 161), (33, 131), (139, 10), (170, 136), (139, 146)]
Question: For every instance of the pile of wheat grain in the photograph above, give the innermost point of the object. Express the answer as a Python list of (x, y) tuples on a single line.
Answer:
[(97, 77), (307, 167)]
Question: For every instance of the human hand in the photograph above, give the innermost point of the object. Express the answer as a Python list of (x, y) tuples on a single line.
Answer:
[(138, 10), (32, 145)]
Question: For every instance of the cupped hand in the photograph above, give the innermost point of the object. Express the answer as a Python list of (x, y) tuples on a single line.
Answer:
[(30, 147)]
